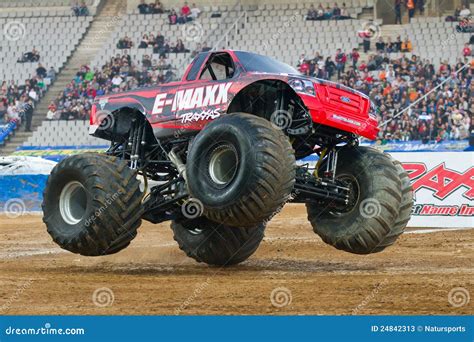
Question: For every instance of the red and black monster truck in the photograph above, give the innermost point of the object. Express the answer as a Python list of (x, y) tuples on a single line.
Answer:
[(217, 156)]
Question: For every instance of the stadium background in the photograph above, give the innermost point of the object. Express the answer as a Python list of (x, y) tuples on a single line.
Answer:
[(84, 51)]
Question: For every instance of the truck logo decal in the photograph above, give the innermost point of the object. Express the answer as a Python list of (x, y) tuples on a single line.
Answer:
[(209, 114), (192, 98), (345, 99), (347, 120)]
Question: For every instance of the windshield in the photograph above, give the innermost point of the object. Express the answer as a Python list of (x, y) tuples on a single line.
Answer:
[(253, 62)]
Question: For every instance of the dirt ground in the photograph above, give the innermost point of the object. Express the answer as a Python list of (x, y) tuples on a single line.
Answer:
[(293, 272)]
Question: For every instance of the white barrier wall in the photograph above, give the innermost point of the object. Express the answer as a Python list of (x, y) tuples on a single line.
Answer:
[(443, 184)]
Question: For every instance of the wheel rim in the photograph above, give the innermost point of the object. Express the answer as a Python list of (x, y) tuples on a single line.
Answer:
[(223, 165), (354, 193), (73, 202)]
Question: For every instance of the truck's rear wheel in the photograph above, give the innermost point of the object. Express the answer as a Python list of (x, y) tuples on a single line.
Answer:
[(241, 168), (368, 223), (92, 204), (215, 243)]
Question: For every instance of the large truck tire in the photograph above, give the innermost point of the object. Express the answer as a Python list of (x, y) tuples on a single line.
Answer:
[(214, 243), (368, 224), (92, 204), (242, 169)]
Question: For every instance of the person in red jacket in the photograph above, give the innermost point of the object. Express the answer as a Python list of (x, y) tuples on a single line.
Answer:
[(355, 57)]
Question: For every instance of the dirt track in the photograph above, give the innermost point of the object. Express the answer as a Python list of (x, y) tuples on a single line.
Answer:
[(153, 276)]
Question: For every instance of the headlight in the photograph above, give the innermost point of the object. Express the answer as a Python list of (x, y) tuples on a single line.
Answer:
[(302, 86)]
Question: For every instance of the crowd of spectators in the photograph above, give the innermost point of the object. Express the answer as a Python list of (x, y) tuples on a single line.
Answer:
[(17, 101), (117, 75), (182, 16), (395, 84), (158, 42), (328, 13)]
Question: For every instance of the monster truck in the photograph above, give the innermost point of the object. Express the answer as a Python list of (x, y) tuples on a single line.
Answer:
[(216, 155)]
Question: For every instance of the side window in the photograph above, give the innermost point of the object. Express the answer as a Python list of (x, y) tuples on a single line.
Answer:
[(193, 72), (219, 67)]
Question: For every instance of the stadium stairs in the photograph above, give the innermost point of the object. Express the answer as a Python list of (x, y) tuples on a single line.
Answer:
[(108, 15)]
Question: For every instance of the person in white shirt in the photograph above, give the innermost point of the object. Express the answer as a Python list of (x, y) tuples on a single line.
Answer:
[(51, 114), (117, 80), (465, 12), (195, 11)]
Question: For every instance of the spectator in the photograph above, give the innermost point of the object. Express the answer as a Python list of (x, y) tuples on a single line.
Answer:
[(51, 75), (185, 14), (312, 14), (144, 42), (344, 12), (143, 8), (173, 17), (406, 45), (380, 45), (398, 44), (330, 67), (398, 12), (28, 110), (355, 57), (40, 71), (157, 7), (80, 10), (340, 62), (31, 56), (146, 61), (411, 9), (336, 11), (466, 52), (3, 109), (320, 12), (420, 4), (195, 12), (179, 47), (125, 43), (328, 13), (465, 12)]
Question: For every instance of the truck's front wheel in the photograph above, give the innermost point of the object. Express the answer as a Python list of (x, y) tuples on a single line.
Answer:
[(92, 204), (368, 223)]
